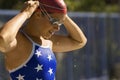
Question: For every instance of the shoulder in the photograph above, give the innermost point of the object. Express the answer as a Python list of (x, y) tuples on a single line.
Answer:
[(47, 43), (20, 42)]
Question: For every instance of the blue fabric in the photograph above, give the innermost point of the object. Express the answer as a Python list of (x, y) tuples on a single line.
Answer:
[(40, 66)]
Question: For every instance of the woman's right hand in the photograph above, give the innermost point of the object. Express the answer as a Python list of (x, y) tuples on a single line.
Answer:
[(29, 7)]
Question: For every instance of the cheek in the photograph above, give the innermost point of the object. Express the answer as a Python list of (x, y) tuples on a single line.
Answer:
[(44, 24)]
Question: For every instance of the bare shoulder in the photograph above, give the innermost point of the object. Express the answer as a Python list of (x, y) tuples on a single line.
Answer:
[(20, 53), (23, 41), (22, 45)]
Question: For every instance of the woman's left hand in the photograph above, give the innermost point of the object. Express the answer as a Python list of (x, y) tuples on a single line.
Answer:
[(30, 6)]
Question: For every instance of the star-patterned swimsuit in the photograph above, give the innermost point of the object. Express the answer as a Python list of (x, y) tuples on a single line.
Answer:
[(41, 65)]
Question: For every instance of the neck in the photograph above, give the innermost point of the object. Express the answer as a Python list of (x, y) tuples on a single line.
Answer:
[(29, 29), (32, 26)]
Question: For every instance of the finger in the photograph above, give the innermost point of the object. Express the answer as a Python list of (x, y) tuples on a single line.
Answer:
[(37, 3), (33, 2)]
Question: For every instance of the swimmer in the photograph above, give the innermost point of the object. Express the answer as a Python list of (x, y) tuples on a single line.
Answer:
[(29, 42)]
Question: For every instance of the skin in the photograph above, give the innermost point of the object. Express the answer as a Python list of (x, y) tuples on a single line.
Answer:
[(17, 48)]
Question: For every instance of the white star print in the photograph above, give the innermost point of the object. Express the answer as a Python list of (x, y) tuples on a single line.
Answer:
[(39, 67), (54, 78), (38, 79), (49, 57), (38, 53), (20, 77), (50, 71)]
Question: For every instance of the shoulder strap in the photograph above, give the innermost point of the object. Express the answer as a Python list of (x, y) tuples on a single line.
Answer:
[(27, 36)]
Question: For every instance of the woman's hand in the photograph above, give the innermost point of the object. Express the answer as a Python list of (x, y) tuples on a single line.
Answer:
[(29, 7)]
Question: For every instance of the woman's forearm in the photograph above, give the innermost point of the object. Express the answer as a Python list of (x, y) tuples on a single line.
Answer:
[(10, 29), (74, 30)]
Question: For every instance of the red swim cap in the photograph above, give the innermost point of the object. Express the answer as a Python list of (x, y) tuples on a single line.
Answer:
[(54, 6)]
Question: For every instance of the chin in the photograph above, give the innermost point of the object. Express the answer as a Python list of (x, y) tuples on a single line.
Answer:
[(47, 37)]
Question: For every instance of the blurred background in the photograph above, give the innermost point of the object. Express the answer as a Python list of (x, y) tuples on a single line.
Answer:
[(100, 21)]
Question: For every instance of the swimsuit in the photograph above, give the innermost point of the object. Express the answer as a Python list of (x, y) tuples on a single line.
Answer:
[(41, 65)]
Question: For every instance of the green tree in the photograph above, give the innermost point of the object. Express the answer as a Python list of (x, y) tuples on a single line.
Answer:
[(72, 5), (85, 5), (11, 4)]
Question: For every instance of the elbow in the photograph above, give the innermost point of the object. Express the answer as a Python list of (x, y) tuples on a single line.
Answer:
[(4, 45), (82, 43), (3, 50)]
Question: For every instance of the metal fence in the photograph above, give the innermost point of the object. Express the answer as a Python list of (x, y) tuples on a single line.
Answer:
[(100, 58)]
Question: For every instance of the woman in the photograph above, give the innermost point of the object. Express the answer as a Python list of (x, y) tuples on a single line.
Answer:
[(29, 49)]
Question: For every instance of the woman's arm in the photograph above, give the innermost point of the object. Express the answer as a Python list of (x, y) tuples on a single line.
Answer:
[(74, 31), (75, 39), (10, 29)]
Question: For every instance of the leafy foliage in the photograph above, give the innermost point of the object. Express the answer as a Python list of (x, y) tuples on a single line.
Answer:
[(73, 5), (11, 4), (91, 5)]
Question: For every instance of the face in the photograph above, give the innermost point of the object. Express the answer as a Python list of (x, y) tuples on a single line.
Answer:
[(49, 23)]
